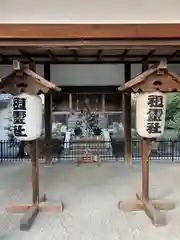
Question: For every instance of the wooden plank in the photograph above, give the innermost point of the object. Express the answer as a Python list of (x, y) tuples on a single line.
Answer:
[(131, 206), (29, 217), (51, 207), (163, 204), (69, 31), (158, 218), (21, 208), (93, 43)]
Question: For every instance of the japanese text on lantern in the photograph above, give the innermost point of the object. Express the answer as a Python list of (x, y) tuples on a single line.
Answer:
[(19, 115), (154, 115)]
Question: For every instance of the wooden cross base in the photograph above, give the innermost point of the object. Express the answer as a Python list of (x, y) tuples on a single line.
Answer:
[(31, 211), (150, 207), (89, 159)]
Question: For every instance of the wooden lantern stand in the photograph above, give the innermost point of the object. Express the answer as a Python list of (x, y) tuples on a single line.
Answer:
[(156, 78), (143, 202), (12, 84)]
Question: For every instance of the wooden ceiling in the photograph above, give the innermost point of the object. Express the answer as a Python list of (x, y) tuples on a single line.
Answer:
[(87, 55), (89, 43)]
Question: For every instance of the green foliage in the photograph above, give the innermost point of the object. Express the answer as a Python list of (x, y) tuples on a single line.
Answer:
[(173, 112)]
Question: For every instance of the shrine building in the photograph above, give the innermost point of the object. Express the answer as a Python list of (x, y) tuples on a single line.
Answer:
[(89, 50)]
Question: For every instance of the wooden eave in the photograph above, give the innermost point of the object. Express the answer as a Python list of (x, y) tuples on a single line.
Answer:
[(89, 31), (155, 78), (17, 76), (89, 43)]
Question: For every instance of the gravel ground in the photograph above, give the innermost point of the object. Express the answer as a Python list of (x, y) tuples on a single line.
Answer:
[(90, 194)]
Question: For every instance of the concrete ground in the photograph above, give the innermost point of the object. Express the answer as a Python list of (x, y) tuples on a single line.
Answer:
[(91, 195)]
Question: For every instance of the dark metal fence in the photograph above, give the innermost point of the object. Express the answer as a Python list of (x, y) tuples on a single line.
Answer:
[(14, 152)]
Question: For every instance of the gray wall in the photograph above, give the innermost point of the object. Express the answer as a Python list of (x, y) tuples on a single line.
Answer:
[(91, 74), (5, 69)]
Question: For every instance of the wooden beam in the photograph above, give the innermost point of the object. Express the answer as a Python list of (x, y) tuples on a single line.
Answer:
[(127, 118), (52, 56), (5, 58), (148, 55), (175, 54), (26, 54), (92, 43), (145, 66), (94, 56), (29, 217), (80, 31), (125, 53), (75, 55), (48, 117), (99, 55), (91, 61)]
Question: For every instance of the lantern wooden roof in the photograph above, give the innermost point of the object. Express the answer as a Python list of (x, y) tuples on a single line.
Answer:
[(21, 78), (156, 78)]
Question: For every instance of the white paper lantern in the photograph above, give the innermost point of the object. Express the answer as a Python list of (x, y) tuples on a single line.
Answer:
[(150, 114), (27, 116)]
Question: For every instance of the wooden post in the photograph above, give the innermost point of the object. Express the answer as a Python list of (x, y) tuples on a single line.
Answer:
[(127, 118), (35, 171), (34, 160), (103, 103), (70, 102), (48, 118), (145, 148)]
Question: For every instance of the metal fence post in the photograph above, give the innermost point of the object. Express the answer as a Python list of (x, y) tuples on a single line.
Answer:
[(172, 150), (1, 149)]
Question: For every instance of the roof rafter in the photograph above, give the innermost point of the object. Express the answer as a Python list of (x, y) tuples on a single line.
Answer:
[(150, 54), (75, 54), (175, 54), (99, 55), (26, 54), (125, 53), (52, 56)]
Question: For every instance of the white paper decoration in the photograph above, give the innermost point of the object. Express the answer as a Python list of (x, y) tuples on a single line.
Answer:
[(27, 116), (150, 114)]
